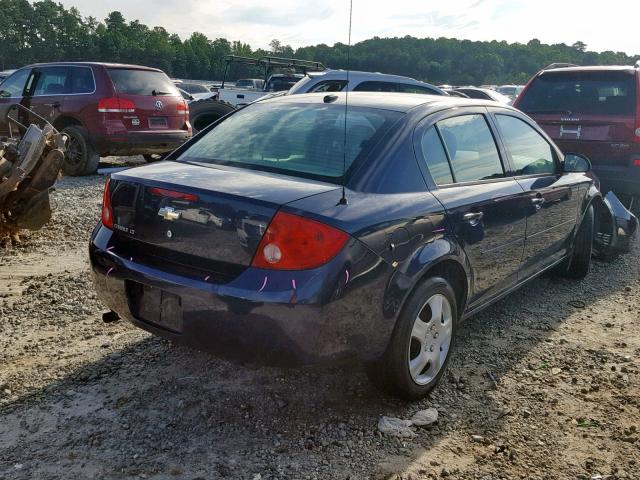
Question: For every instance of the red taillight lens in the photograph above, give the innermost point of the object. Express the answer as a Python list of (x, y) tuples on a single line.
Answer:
[(296, 243), (636, 162), (183, 107), (107, 212), (163, 192), (116, 105)]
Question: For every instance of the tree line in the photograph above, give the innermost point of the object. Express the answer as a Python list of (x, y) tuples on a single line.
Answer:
[(45, 31)]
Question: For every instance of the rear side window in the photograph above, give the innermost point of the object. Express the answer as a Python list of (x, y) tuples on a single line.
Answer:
[(436, 157), (597, 93), (13, 86), (471, 148), (52, 81), (531, 154), (304, 140), (408, 88), (141, 82), (375, 87), (82, 80), (329, 86)]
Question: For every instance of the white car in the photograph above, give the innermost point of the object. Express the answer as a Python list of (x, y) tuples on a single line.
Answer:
[(336, 80), (484, 94)]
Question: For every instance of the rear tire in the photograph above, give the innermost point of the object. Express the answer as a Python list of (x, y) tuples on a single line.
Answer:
[(418, 353), (579, 263), (80, 157), (203, 113)]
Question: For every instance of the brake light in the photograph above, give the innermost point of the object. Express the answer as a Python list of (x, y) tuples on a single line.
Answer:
[(183, 107), (163, 192), (116, 105), (636, 162), (292, 242), (107, 212)]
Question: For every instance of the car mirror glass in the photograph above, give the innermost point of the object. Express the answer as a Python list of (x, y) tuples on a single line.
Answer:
[(574, 162)]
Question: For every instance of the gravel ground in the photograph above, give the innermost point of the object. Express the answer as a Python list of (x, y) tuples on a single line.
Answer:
[(543, 385)]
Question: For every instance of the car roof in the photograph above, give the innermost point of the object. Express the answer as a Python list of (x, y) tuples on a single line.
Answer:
[(400, 102), (89, 64), (593, 68), (360, 76)]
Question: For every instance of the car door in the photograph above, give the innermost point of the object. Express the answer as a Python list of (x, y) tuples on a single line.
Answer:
[(47, 96), (484, 205), (11, 93), (553, 198)]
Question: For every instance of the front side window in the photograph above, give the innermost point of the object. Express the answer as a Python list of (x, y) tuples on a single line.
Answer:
[(531, 154), (82, 80), (13, 86), (329, 86), (436, 157), (471, 147), (52, 81), (295, 139)]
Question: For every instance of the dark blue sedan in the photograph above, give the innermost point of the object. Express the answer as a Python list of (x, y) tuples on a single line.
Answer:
[(245, 242)]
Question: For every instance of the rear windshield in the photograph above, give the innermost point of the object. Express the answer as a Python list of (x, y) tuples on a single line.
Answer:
[(598, 93), (141, 82), (194, 88), (304, 140)]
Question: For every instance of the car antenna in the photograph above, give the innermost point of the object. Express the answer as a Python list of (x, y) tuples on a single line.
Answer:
[(343, 199)]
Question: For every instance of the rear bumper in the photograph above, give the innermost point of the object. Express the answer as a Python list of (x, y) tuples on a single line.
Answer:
[(268, 317), (139, 143)]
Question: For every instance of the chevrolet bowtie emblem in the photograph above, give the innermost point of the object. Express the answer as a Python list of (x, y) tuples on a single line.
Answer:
[(169, 213)]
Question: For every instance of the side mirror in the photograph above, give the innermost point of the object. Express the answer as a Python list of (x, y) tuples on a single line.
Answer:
[(576, 163)]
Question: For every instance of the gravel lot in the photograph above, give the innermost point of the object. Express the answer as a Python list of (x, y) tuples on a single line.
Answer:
[(543, 385)]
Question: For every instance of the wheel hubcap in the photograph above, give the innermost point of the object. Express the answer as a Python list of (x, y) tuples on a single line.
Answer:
[(430, 339)]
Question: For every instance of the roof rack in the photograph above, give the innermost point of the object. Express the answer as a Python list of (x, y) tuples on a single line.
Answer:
[(268, 63), (553, 66)]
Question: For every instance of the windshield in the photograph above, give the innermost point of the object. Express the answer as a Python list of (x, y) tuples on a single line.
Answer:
[(599, 93), (142, 82), (304, 140)]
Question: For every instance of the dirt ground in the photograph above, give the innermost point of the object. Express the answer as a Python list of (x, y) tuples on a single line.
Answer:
[(543, 385)]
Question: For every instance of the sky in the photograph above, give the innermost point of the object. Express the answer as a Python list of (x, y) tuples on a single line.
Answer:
[(601, 25)]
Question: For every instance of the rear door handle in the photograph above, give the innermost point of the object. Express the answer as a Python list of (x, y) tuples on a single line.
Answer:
[(473, 217), (54, 104)]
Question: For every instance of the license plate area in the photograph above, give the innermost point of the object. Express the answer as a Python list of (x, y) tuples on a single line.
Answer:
[(158, 122), (155, 306)]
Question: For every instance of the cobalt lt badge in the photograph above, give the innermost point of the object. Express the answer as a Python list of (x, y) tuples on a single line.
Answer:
[(159, 105)]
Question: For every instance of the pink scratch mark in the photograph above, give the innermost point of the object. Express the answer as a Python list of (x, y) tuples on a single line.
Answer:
[(264, 284), (131, 259), (109, 271), (439, 230), (110, 248), (207, 278), (293, 284), (346, 272)]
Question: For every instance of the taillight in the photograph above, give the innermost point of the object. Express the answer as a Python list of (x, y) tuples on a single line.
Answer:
[(183, 107), (163, 192), (116, 105), (636, 162), (292, 242), (107, 212)]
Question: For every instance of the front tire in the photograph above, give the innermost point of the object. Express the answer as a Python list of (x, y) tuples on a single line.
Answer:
[(80, 157), (580, 260), (421, 344)]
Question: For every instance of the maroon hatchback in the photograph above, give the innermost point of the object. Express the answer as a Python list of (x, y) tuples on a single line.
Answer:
[(104, 108), (594, 111)]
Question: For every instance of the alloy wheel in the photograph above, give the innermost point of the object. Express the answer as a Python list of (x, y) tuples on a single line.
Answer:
[(430, 339)]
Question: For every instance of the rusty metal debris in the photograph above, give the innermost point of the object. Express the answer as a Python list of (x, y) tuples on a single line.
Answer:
[(30, 163)]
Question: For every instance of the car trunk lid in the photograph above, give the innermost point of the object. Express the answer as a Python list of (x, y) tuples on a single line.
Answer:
[(208, 218)]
